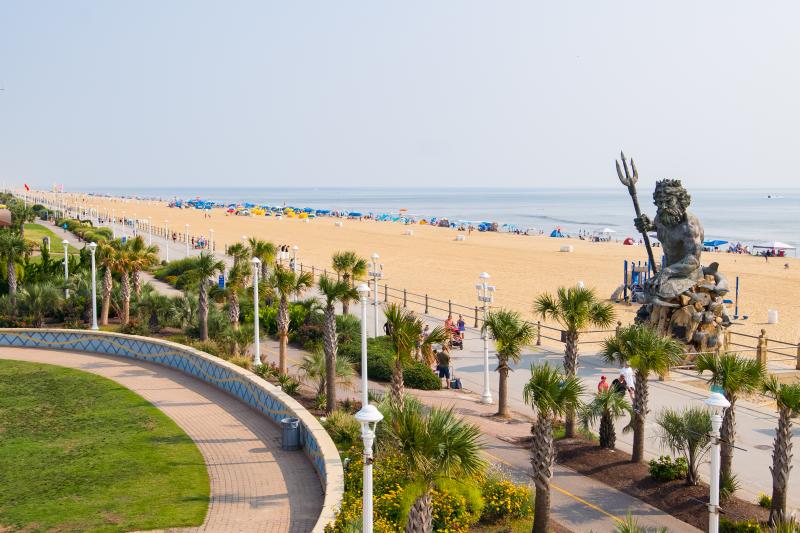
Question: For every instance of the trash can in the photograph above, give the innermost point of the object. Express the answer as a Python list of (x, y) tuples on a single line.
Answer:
[(290, 438)]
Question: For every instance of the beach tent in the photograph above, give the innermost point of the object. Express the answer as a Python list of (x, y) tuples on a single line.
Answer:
[(629, 241), (775, 245), (607, 230), (556, 233), (714, 244)]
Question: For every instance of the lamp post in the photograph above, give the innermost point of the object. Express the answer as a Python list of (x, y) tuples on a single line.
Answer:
[(294, 258), (166, 239), (368, 416), (186, 238), (376, 273), (65, 242), (256, 334), (211, 241), (718, 403), (113, 224), (92, 248), (149, 231), (485, 296)]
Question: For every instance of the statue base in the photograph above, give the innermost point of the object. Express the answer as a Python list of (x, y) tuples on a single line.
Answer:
[(696, 317)]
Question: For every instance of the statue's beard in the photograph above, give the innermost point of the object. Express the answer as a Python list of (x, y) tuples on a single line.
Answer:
[(670, 217)]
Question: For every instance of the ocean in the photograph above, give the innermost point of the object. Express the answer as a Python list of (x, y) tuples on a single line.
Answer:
[(735, 215)]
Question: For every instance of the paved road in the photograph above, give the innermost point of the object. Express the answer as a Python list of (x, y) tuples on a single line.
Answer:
[(255, 486)]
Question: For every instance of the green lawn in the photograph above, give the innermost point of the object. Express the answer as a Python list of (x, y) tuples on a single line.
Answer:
[(79, 452), (35, 232)]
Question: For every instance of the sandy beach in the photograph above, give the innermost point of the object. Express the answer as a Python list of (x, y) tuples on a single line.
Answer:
[(521, 267)]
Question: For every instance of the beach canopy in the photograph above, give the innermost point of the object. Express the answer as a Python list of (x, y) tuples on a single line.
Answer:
[(607, 230), (715, 243), (775, 245)]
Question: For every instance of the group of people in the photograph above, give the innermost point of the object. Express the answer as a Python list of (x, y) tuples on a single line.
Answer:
[(626, 382)]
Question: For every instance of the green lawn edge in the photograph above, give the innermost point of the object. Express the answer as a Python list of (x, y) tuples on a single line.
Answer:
[(80, 452)]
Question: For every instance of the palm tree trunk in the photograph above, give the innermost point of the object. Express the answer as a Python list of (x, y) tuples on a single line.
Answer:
[(608, 436), (420, 516), (502, 392), (345, 302), (542, 454), (12, 279), (283, 333), (107, 281), (397, 382), (727, 434), (126, 298), (570, 369), (781, 465), (329, 343), (691, 473), (233, 309), (137, 283), (639, 417), (203, 310)]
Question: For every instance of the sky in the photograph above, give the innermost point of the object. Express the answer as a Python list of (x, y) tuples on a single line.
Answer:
[(398, 93)]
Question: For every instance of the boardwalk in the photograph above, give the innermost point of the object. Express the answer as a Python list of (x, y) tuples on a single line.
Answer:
[(255, 486)]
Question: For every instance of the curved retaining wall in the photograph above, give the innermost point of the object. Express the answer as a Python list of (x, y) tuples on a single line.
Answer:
[(243, 384)]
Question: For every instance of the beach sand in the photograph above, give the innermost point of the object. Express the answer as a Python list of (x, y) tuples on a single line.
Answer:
[(521, 267)]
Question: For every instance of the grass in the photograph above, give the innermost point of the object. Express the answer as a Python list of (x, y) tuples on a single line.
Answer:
[(79, 452), (35, 232)]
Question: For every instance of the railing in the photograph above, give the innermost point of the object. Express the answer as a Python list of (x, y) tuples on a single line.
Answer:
[(759, 346), (244, 385)]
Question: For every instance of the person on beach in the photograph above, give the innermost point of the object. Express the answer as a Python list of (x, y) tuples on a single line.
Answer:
[(603, 385), (462, 327), (630, 380), (443, 365)]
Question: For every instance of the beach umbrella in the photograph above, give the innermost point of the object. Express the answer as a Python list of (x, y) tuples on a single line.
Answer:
[(715, 243), (607, 230)]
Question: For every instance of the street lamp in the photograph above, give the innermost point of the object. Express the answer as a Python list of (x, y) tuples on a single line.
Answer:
[(65, 242), (92, 248), (257, 347), (718, 403), (368, 416), (166, 239), (376, 273), (485, 296), (294, 257), (113, 224), (186, 238), (149, 231)]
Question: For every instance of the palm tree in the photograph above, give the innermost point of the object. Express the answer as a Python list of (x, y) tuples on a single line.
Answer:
[(350, 266), (551, 394), (38, 300), (511, 334), (333, 291), (266, 253), (787, 398), (141, 257), (122, 265), (736, 375), (646, 351), (438, 446), (287, 284), (237, 278), (575, 308), (154, 308), (185, 310), (205, 267), (106, 256), (406, 331), (239, 252), (687, 432), (13, 249), (607, 405), (314, 369), (20, 215)]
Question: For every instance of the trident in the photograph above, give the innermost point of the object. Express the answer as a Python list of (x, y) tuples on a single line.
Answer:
[(630, 182)]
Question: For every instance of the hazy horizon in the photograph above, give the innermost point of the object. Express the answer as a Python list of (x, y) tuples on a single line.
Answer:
[(462, 94)]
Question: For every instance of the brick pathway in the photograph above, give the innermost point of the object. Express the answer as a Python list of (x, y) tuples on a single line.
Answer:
[(255, 486)]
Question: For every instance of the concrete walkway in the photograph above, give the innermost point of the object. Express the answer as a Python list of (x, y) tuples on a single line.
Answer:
[(255, 486)]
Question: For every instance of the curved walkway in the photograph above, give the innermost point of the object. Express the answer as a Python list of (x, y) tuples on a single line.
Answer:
[(255, 486)]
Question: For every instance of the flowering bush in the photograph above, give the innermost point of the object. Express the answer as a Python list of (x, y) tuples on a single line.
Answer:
[(504, 499)]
